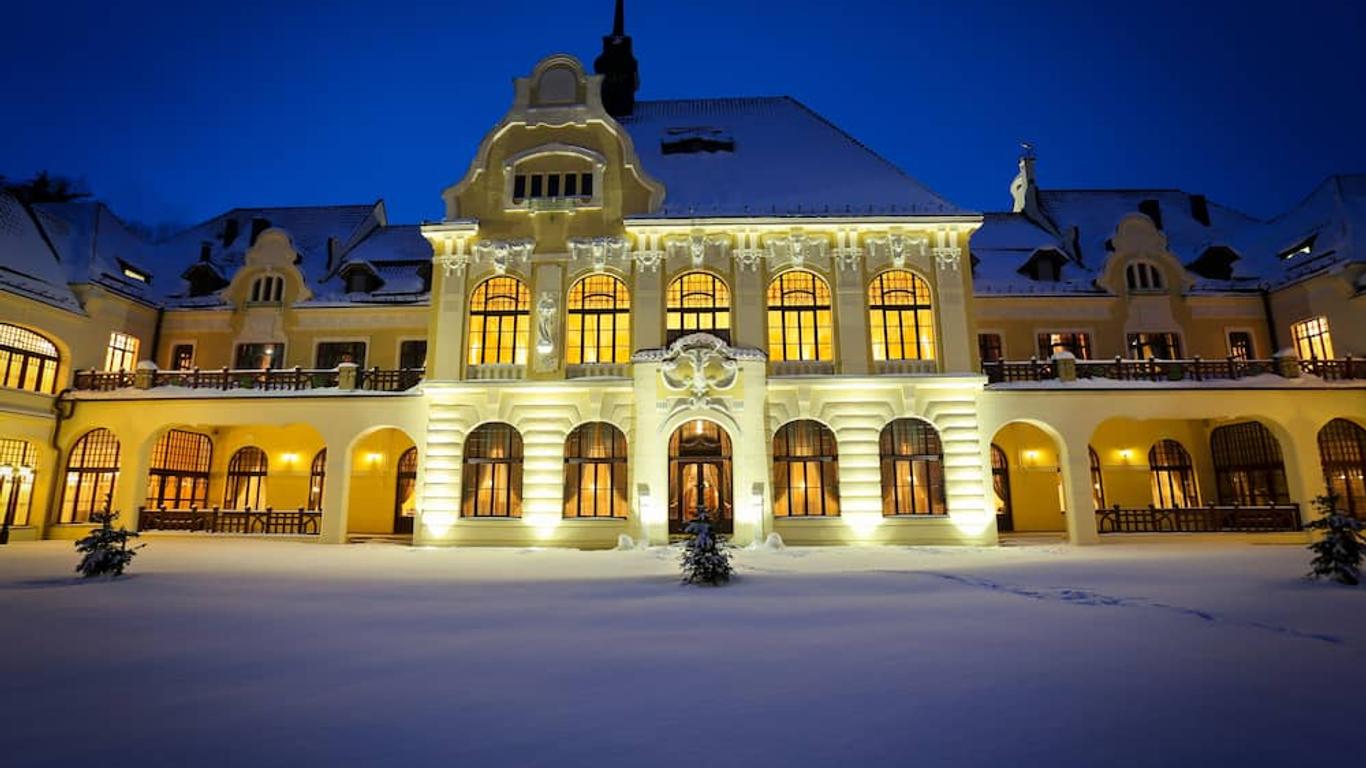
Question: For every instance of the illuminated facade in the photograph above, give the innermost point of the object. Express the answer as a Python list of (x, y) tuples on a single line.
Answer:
[(634, 310)]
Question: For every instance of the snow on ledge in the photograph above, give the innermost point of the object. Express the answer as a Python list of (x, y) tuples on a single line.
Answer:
[(172, 392), (1260, 381)]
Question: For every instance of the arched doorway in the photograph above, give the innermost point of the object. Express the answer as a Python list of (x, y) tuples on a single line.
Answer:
[(405, 491), (700, 472), (1000, 485)]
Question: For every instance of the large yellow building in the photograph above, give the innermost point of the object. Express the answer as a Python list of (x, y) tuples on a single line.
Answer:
[(633, 311)]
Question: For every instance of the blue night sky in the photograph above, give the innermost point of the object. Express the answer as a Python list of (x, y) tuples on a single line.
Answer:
[(174, 112)]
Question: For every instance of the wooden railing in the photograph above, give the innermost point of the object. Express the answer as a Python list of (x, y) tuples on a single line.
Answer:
[(1211, 519), (1032, 369), (272, 380), (378, 380), (288, 522), (1335, 370), (1153, 369), (102, 381)]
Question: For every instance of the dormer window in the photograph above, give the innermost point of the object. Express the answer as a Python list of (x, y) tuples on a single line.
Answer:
[(554, 177), (1216, 263), (1143, 276), (1045, 265), (695, 140), (1302, 248), (133, 274), (571, 187), (268, 289)]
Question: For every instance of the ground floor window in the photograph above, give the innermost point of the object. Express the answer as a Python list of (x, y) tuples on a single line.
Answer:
[(1097, 479), (92, 470), (912, 464), (1342, 449), (805, 471), (595, 471), (245, 487), (1172, 476), (491, 477), (179, 475), (16, 480), (317, 475), (1248, 469)]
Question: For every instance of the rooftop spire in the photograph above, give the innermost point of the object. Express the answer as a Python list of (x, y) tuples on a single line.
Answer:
[(617, 65)]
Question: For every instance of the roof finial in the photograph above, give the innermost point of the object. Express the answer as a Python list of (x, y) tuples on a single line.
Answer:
[(619, 21), (617, 65)]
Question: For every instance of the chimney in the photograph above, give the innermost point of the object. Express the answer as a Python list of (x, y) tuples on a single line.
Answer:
[(1200, 209), (258, 225)]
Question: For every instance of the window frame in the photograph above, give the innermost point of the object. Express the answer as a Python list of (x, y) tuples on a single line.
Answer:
[(161, 474), (1251, 343), (881, 313), (336, 344), (1312, 334), (519, 317), (317, 480), (1249, 465), (402, 343), (1144, 276), (276, 358), (718, 314), (76, 506), (1135, 341), (931, 459), (1001, 345), (41, 368), (246, 480), (1344, 474), (580, 314), (804, 318), (121, 353), (471, 473), (614, 466), (1082, 335), (1164, 477), (16, 488), (820, 461)]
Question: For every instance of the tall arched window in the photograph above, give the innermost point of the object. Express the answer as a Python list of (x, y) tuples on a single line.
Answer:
[(500, 311), (405, 491), (179, 476), (317, 476), (697, 302), (799, 318), (598, 321), (1248, 468), (1097, 479), (1172, 476), (16, 479), (595, 471), (912, 469), (92, 471), (1342, 450), (805, 471), (1143, 276), (1000, 486), (27, 360), (900, 316), (246, 481), (491, 478)]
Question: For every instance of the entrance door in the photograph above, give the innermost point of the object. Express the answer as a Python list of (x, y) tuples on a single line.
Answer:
[(700, 472), (1000, 486), (405, 492)]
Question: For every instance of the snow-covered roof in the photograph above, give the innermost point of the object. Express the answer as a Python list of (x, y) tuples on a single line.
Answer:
[(766, 157), (28, 265), (96, 246), (398, 255), (1327, 222)]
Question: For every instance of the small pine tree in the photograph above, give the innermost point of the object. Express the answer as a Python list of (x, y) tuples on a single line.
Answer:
[(705, 559), (1338, 553), (106, 550)]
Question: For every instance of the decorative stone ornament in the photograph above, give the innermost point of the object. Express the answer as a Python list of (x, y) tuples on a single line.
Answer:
[(797, 247), (698, 366), (896, 245), (947, 257), (546, 315), (598, 249), (748, 251), (503, 253), (697, 246), (847, 251)]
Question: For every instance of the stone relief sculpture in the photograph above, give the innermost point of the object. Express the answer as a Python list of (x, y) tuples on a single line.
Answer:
[(546, 315)]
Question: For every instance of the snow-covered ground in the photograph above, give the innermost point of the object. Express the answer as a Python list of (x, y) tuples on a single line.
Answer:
[(258, 653)]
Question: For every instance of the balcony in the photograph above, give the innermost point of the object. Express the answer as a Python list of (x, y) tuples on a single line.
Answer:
[(1212, 519), (1153, 370), (285, 522), (235, 380), (598, 371)]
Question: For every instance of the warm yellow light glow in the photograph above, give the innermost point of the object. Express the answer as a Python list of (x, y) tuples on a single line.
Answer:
[(863, 524), (374, 457), (437, 523), (1125, 454), (289, 457)]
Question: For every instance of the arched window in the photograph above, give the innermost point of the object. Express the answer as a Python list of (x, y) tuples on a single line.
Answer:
[(500, 311), (900, 317), (92, 470), (179, 476), (598, 321), (1143, 276), (1097, 479), (246, 482), (27, 360), (697, 302), (1248, 468), (16, 479), (1172, 476), (595, 471), (1342, 450), (799, 318), (267, 289), (912, 469), (805, 471), (491, 478), (317, 476)]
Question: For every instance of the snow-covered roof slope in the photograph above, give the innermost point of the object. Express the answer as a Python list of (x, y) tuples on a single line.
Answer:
[(223, 241), (398, 255), (1327, 223), (766, 156), (96, 246), (28, 265)]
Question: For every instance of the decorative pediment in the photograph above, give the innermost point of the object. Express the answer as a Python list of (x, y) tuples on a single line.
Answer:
[(700, 367), (599, 250)]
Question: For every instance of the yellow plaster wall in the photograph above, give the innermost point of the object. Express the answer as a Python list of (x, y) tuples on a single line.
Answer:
[(1332, 296), (373, 481), (1034, 478)]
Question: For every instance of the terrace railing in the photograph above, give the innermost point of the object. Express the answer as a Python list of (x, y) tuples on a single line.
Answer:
[(270, 380), (286, 522), (1210, 519), (1182, 370)]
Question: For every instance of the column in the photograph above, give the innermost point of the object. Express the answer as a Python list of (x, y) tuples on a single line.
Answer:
[(1303, 469), (851, 318), (130, 492), (336, 490), (1076, 481), (649, 459)]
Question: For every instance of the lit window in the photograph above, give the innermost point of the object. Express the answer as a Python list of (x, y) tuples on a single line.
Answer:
[(805, 471), (491, 476), (92, 469), (1078, 344), (122, 354), (16, 479), (598, 321), (1240, 345), (179, 475), (27, 360), (900, 317), (317, 476), (595, 471), (799, 318), (1248, 468), (245, 487), (1143, 276), (1342, 451), (1172, 476), (500, 311), (912, 462), (1163, 346), (405, 492), (1312, 340), (1097, 479), (698, 302), (1302, 248), (133, 274)]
